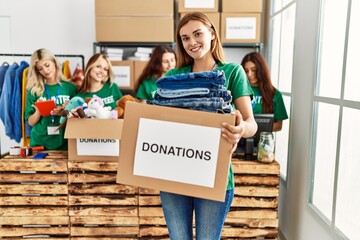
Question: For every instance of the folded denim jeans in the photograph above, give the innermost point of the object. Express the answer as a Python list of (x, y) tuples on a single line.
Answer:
[(163, 94), (176, 93), (207, 79), (211, 104)]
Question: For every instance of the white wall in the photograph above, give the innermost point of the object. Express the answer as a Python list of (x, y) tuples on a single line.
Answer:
[(62, 26)]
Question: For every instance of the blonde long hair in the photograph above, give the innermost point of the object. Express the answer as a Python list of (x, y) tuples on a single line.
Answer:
[(93, 61), (216, 48), (35, 81)]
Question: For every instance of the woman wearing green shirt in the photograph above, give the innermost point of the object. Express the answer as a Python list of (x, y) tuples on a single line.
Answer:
[(46, 82), (199, 50), (267, 99), (99, 81), (163, 58)]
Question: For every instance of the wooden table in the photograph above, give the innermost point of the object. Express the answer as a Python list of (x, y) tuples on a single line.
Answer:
[(56, 199)]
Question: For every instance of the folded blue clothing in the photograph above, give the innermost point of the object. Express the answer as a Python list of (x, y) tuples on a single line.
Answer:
[(213, 104), (176, 93), (207, 79), (165, 94)]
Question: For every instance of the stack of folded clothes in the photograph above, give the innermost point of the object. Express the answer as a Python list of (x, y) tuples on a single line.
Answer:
[(203, 91)]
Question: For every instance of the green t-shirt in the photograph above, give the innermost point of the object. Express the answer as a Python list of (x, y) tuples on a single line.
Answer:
[(236, 82), (109, 94), (147, 89), (278, 108), (39, 132)]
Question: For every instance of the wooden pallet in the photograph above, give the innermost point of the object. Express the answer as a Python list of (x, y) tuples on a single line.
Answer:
[(98, 207), (34, 197), (59, 199)]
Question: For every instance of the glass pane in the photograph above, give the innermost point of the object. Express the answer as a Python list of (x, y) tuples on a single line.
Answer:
[(276, 6), (326, 139), (352, 84), (332, 48), (275, 49), (287, 49), (348, 191), (282, 141), (286, 2)]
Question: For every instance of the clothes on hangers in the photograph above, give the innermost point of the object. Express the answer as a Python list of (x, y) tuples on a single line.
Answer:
[(25, 127), (6, 100), (66, 69), (13, 80), (16, 100), (3, 68)]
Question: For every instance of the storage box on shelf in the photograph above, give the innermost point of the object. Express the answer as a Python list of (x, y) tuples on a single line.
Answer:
[(200, 6), (241, 21), (126, 71), (125, 21), (34, 197), (249, 6), (240, 27)]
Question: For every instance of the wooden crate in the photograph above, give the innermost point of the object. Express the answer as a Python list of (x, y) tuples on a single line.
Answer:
[(151, 217), (254, 211), (34, 197), (100, 208), (59, 199)]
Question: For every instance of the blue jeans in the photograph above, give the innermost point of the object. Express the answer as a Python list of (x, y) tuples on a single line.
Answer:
[(192, 80), (213, 104), (209, 216), (165, 94)]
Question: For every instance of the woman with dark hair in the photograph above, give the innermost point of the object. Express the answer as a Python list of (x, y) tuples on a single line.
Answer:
[(267, 99), (163, 58)]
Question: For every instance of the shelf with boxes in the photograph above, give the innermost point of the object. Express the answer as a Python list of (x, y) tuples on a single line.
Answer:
[(128, 60), (122, 27)]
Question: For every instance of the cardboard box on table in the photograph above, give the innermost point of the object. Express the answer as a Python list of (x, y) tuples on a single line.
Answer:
[(159, 145), (93, 139)]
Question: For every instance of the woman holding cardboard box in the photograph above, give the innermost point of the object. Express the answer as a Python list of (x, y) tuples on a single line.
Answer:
[(200, 50), (163, 58)]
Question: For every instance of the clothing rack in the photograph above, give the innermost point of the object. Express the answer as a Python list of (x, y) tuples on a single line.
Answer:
[(56, 55)]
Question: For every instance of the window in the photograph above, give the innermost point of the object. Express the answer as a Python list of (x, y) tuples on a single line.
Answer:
[(335, 148), (282, 28)]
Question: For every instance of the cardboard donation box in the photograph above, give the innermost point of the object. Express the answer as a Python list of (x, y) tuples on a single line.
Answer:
[(175, 150), (240, 27), (93, 139)]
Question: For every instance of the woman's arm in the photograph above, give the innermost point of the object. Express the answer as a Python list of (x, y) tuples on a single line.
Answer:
[(245, 125), (277, 126), (35, 117)]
